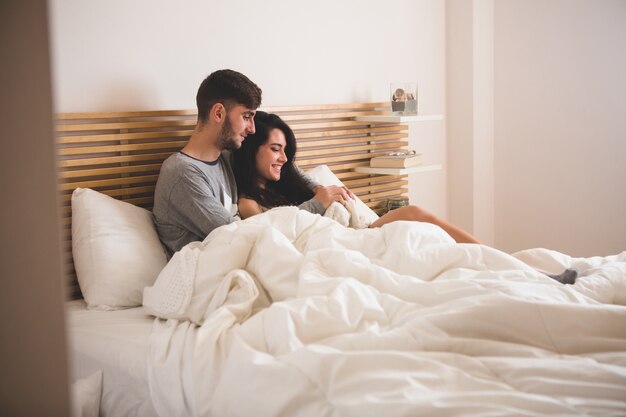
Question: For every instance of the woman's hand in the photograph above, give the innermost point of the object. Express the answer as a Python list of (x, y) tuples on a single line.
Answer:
[(328, 194)]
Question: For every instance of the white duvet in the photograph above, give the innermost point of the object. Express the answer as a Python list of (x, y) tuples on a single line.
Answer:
[(396, 321)]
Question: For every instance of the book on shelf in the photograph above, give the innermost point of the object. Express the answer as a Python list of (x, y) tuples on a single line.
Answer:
[(396, 161)]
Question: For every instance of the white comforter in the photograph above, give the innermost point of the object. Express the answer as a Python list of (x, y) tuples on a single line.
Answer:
[(396, 321)]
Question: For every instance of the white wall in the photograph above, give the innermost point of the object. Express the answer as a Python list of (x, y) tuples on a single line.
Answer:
[(560, 125), (470, 113), (121, 55), (533, 96), (152, 54), (460, 112), (483, 123), (536, 98)]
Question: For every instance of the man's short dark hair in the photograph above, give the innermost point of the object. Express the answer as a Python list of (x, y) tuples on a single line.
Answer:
[(227, 87)]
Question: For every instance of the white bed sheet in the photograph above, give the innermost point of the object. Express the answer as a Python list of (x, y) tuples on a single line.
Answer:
[(117, 343)]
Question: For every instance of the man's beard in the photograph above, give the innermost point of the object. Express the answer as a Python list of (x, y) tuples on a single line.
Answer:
[(225, 139)]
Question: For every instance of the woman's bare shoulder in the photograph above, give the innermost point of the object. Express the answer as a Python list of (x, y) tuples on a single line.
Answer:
[(248, 207)]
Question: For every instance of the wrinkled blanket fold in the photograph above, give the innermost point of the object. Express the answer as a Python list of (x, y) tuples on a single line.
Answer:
[(291, 314)]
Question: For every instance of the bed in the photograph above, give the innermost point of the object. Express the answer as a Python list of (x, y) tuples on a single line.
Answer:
[(115, 343), (293, 314)]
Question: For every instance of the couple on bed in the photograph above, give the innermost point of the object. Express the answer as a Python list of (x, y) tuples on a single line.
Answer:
[(239, 162)]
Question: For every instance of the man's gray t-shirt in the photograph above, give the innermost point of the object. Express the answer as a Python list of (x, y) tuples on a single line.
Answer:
[(192, 198)]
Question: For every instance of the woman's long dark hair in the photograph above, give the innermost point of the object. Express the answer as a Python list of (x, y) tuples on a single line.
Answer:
[(291, 189)]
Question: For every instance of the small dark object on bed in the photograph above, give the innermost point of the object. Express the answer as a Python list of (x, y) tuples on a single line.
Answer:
[(566, 277)]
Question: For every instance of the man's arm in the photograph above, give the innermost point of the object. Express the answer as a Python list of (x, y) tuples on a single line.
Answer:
[(199, 210), (313, 206), (308, 181)]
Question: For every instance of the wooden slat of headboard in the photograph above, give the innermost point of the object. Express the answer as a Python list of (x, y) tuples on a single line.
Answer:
[(124, 115), (82, 127), (342, 132), (324, 108), (108, 171), (318, 151), (120, 153), (123, 136), (325, 125), (120, 193), (118, 148), (110, 160)]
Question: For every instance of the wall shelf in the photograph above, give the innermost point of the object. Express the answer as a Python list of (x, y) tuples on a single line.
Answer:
[(393, 118), (398, 171)]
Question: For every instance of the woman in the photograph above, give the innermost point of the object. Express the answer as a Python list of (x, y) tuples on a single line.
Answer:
[(267, 177)]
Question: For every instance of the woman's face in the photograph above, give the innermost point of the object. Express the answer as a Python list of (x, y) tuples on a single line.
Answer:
[(270, 157)]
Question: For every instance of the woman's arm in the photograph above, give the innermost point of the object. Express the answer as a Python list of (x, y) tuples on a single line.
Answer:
[(418, 214), (248, 207)]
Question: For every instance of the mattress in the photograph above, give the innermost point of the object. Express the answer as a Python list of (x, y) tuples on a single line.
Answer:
[(117, 343)]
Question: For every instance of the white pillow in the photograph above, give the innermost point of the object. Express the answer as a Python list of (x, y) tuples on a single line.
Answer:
[(116, 250), (86, 395), (322, 175)]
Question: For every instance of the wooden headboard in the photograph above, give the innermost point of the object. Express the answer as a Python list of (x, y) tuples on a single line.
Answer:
[(120, 153)]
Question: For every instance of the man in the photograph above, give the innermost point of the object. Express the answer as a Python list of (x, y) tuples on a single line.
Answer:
[(196, 190)]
